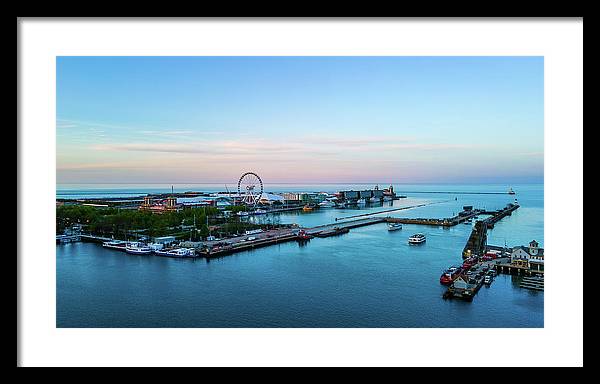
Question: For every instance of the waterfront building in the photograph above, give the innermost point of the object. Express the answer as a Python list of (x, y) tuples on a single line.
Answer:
[(312, 198), (389, 192), (167, 205), (270, 198), (366, 194), (461, 282), (291, 197), (350, 195), (531, 257), (164, 240)]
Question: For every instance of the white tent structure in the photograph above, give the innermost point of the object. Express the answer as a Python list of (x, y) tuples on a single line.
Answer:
[(270, 198)]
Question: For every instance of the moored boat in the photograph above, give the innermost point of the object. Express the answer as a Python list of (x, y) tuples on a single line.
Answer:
[(176, 252), (302, 235), (138, 249), (326, 204), (450, 274), (115, 244)]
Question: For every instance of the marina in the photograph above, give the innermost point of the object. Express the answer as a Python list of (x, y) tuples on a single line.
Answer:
[(350, 229)]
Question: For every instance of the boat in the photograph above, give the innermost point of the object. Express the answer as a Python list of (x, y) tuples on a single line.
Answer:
[(361, 202), (487, 280), (450, 274), (374, 200), (332, 232), (138, 249), (510, 191), (468, 263), (302, 235), (326, 204), (115, 244), (176, 252), (394, 226), (156, 246), (260, 212), (417, 238), (307, 208), (243, 213)]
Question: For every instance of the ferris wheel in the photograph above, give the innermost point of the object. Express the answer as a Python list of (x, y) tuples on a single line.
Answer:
[(250, 188)]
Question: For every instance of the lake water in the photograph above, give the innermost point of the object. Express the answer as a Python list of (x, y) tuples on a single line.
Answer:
[(367, 278)]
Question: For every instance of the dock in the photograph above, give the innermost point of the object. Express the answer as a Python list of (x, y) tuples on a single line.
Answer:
[(446, 222), (478, 239), (535, 283), (390, 210), (470, 281)]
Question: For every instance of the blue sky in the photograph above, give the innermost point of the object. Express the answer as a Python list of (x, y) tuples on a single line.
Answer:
[(300, 119)]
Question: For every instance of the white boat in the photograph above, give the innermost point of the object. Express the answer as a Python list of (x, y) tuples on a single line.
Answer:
[(155, 246), (361, 202), (243, 213), (417, 238), (260, 212), (115, 244), (136, 248), (326, 204), (177, 252), (387, 198), (374, 200), (394, 226)]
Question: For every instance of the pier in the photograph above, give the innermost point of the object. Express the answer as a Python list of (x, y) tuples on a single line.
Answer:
[(505, 267), (460, 193), (389, 210), (477, 240), (468, 283), (446, 222)]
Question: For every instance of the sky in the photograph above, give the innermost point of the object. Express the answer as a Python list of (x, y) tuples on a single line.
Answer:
[(300, 119)]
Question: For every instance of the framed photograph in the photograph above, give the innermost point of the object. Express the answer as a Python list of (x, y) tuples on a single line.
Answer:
[(314, 186)]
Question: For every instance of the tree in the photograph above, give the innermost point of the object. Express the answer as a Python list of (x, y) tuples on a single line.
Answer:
[(204, 230)]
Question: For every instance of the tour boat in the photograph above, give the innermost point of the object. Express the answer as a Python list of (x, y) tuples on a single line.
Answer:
[(449, 275), (177, 252), (394, 226), (115, 244), (138, 249), (417, 238)]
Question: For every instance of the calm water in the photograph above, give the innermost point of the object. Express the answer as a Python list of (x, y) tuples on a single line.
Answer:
[(367, 278)]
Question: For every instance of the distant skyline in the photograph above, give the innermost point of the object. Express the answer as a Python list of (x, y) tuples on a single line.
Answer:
[(300, 119)]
